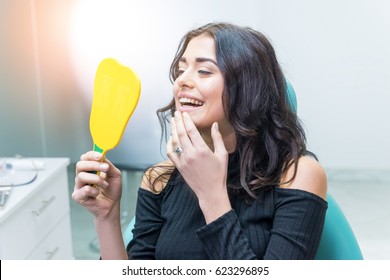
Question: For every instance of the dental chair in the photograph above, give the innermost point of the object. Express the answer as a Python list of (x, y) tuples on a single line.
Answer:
[(338, 242)]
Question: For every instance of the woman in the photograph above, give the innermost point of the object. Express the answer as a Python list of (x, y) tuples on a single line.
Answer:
[(239, 182)]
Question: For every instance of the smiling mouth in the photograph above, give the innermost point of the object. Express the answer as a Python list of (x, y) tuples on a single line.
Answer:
[(184, 101)]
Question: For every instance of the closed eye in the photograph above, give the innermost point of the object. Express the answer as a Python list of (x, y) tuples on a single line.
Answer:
[(204, 72)]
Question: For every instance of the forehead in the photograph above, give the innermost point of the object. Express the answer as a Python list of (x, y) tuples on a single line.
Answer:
[(200, 46)]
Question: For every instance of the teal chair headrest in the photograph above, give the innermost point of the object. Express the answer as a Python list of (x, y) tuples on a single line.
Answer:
[(291, 96)]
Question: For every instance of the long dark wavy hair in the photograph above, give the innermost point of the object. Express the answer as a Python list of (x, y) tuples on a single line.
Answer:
[(270, 137)]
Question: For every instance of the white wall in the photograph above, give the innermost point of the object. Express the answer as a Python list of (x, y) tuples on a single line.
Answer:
[(335, 53)]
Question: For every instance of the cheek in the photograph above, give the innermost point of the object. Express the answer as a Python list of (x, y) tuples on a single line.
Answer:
[(175, 89), (213, 90), (215, 96)]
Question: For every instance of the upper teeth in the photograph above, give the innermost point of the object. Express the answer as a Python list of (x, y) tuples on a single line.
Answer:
[(191, 101)]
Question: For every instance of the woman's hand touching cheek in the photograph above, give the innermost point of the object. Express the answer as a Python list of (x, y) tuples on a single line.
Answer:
[(204, 170)]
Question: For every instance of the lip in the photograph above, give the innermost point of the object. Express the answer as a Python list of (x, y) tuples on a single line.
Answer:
[(187, 109)]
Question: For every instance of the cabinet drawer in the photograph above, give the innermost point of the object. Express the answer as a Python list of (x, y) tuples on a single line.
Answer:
[(27, 227), (57, 245)]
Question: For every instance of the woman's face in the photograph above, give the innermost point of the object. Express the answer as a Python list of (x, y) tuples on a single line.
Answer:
[(199, 87)]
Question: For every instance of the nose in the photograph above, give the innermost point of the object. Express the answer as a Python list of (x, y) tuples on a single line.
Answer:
[(185, 80)]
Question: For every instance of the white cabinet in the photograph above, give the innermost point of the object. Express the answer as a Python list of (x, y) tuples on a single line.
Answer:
[(35, 223)]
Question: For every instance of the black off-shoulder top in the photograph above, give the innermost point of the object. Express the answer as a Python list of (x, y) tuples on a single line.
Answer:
[(281, 223)]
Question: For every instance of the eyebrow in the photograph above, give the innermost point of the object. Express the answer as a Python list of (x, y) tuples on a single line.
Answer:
[(200, 59)]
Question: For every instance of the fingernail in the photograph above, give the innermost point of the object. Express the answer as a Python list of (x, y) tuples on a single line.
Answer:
[(105, 183), (216, 126), (97, 155)]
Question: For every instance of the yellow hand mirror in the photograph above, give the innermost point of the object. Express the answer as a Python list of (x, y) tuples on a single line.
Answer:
[(116, 93)]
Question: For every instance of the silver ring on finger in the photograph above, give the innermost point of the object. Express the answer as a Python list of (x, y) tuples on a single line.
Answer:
[(179, 150)]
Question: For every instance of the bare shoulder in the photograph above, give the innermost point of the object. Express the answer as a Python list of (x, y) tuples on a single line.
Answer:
[(156, 177), (310, 177)]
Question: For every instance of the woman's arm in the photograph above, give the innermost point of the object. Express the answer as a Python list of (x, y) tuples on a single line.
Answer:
[(110, 237), (299, 212), (310, 177), (100, 194), (297, 225)]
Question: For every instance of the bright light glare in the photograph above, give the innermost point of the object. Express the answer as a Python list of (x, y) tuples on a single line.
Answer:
[(135, 34), (90, 39), (101, 29)]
